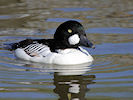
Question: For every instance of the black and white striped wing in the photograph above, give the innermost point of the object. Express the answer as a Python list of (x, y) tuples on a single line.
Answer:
[(37, 49)]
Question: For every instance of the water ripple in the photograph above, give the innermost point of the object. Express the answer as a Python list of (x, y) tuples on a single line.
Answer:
[(113, 48), (110, 30), (61, 19), (2, 17), (73, 9)]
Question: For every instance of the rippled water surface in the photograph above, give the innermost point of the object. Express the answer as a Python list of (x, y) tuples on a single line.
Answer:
[(108, 23)]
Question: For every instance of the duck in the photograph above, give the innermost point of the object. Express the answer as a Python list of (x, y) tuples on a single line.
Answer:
[(67, 47)]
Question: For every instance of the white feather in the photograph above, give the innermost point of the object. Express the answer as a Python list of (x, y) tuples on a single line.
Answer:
[(74, 39)]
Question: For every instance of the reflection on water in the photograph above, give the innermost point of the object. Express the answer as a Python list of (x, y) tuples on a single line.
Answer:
[(59, 69), (108, 23), (70, 81), (72, 87)]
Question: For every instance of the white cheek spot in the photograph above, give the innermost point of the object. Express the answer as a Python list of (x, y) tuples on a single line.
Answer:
[(74, 39)]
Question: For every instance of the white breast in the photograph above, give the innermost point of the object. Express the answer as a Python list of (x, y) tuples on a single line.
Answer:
[(41, 53), (72, 56)]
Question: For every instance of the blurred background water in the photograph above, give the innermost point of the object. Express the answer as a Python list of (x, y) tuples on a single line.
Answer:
[(108, 23)]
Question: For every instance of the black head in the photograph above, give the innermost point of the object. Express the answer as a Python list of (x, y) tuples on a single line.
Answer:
[(72, 34)]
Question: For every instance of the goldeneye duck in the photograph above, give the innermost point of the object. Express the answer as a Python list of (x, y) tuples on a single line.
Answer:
[(64, 49)]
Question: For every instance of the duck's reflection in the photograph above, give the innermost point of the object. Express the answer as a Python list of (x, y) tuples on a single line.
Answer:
[(72, 87), (70, 81)]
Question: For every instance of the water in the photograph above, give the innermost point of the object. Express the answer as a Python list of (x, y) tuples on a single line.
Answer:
[(108, 23)]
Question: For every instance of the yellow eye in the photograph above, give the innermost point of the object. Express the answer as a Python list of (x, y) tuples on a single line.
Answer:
[(69, 31)]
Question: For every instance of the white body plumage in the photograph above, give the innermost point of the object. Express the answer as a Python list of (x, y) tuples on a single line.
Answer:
[(41, 53)]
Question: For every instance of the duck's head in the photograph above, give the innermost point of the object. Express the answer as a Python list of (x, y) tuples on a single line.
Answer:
[(72, 34)]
